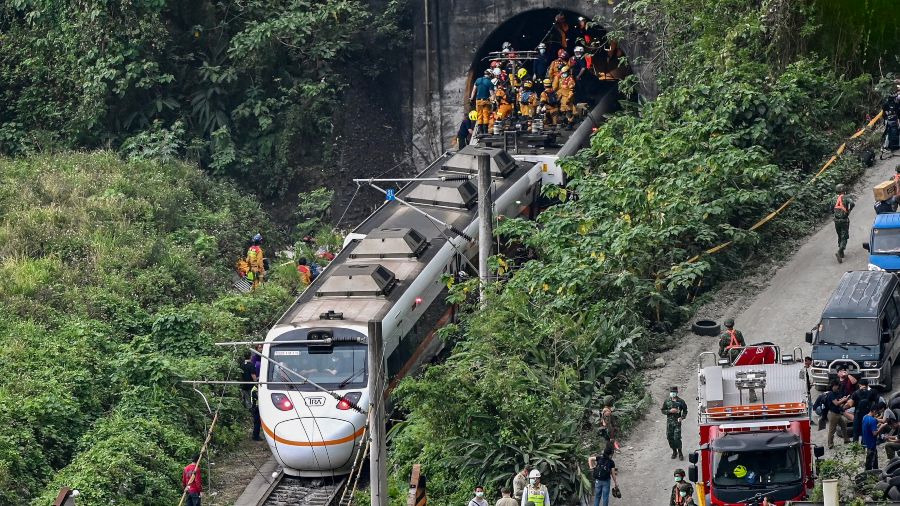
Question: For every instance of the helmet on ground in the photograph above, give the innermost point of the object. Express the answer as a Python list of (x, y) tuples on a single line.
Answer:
[(496, 72), (528, 84), (473, 115), (257, 238), (839, 188), (565, 68), (561, 53), (534, 474), (542, 46), (547, 82), (579, 49), (729, 322), (522, 73)]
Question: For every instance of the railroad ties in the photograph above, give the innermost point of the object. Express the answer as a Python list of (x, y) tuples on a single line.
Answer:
[(291, 491)]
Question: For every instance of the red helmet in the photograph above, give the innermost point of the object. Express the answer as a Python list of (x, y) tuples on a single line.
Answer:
[(561, 53), (495, 64)]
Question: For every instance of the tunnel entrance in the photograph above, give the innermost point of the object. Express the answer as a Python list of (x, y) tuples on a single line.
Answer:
[(526, 30)]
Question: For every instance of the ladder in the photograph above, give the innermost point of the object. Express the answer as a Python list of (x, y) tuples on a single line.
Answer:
[(510, 140)]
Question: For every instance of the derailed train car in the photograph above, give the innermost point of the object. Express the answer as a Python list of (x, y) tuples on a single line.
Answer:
[(390, 272)]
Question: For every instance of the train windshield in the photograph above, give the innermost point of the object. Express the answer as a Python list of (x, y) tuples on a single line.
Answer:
[(338, 367), (778, 466)]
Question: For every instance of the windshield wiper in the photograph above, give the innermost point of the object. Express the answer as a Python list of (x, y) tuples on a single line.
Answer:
[(350, 378), (832, 344)]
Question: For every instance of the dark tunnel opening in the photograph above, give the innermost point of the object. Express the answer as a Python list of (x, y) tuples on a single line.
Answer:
[(528, 29)]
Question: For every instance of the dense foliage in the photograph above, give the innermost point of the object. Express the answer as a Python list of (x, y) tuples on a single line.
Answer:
[(246, 88), (114, 291), (658, 184)]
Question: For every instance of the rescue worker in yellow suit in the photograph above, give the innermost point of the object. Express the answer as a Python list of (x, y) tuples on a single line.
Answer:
[(517, 79), (556, 65), (528, 101), (482, 95), (255, 261), (566, 91), (550, 103), (504, 103)]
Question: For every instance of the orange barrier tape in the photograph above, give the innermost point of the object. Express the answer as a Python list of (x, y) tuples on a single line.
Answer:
[(769, 217)]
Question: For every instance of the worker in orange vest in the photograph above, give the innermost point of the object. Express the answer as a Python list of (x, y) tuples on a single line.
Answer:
[(730, 339), (255, 258), (843, 205)]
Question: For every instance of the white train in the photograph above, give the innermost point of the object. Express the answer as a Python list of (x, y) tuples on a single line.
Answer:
[(388, 275)]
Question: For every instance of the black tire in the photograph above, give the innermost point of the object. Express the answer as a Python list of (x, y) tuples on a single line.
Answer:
[(882, 487), (889, 381), (892, 466), (706, 328), (893, 481), (893, 493), (894, 401)]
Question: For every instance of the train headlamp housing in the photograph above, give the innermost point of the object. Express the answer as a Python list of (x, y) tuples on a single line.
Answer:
[(349, 400), (282, 401)]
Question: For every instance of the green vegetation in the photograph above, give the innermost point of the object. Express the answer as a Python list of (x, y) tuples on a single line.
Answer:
[(247, 88), (659, 184), (115, 276)]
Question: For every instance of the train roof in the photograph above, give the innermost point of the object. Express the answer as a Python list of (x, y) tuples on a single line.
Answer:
[(860, 294), (369, 275)]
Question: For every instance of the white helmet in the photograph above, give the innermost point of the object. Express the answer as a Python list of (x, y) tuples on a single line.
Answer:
[(496, 72), (544, 46), (507, 45), (534, 474), (579, 49)]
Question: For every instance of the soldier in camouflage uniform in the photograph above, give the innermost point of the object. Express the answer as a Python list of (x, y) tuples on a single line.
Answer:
[(675, 410), (730, 339), (843, 205)]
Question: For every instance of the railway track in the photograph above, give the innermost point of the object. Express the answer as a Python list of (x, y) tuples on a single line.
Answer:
[(290, 491)]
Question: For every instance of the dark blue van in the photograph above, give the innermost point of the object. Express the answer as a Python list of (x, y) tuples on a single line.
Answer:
[(859, 329), (884, 243)]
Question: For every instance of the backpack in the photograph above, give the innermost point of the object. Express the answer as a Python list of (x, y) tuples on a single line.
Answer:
[(603, 471), (553, 99), (526, 97)]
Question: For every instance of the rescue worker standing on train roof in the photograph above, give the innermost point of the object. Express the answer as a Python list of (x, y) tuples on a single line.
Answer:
[(541, 64), (482, 94), (535, 492), (843, 205), (255, 261), (562, 59), (527, 101), (566, 93), (464, 134), (560, 32), (504, 103), (550, 104)]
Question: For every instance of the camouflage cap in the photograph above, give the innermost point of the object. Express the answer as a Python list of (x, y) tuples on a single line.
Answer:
[(839, 188)]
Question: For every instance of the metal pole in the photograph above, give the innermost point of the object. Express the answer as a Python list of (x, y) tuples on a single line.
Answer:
[(485, 219), (378, 450)]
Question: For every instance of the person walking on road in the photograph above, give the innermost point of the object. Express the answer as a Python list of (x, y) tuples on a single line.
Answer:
[(478, 500), (607, 426), (604, 471), (192, 481), (686, 495), (675, 497), (675, 410), (834, 403), (520, 481), (730, 339), (843, 205), (506, 500), (535, 492)]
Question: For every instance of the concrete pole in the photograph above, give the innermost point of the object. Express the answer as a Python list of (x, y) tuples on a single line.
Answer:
[(485, 220), (378, 451), (830, 492)]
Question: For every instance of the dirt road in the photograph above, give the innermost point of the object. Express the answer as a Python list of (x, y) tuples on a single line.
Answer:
[(781, 313)]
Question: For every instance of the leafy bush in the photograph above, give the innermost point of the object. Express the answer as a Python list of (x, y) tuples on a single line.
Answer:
[(115, 276)]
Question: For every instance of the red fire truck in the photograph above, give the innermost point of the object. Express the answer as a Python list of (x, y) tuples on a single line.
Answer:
[(754, 428)]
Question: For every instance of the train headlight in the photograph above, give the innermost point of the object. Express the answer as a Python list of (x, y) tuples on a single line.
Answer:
[(349, 400), (282, 402)]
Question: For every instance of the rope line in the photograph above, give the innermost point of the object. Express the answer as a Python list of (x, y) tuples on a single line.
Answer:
[(769, 217)]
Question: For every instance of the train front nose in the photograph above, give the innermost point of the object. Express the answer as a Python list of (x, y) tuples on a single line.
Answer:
[(315, 445)]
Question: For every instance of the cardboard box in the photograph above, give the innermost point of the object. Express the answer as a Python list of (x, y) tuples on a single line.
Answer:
[(885, 190)]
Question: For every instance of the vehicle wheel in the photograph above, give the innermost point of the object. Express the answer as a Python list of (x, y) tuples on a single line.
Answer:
[(882, 487), (889, 381), (894, 481), (892, 466), (893, 493), (706, 328)]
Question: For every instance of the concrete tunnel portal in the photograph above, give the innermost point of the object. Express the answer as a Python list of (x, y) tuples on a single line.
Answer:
[(453, 39)]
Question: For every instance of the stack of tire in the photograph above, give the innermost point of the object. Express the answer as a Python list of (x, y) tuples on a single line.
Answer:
[(889, 475)]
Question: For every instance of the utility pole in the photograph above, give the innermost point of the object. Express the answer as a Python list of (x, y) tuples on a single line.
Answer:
[(377, 449), (485, 220)]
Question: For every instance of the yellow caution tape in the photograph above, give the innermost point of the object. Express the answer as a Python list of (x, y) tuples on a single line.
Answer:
[(840, 151)]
